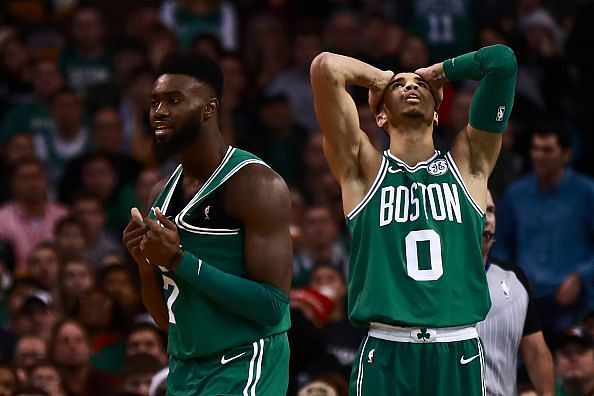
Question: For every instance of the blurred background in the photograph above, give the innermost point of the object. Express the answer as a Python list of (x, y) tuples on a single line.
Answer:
[(76, 156)]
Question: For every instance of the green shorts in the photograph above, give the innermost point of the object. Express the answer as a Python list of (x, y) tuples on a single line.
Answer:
[(418, 362), (260, 368)]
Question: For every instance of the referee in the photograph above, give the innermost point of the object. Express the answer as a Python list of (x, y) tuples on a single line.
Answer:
[(511, 324)]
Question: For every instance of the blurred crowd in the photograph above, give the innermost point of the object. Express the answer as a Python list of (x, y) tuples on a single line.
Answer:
[(75, 78)]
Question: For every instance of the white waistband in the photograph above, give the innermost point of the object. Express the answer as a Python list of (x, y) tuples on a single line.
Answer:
[(421, 334)]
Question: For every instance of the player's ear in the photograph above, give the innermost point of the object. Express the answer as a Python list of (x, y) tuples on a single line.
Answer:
[(211, 108), (381, 119), (435, 118)]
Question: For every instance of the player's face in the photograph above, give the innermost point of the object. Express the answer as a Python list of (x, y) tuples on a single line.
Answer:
[(410, 96), (176, 111)]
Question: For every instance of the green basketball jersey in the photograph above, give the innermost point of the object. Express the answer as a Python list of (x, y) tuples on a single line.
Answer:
[(416, 248), (199, 326)]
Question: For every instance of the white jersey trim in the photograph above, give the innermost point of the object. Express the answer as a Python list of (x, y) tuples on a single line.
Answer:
[(458, 178), (418, 165), (376, 183), (214, 231), (176, 175)]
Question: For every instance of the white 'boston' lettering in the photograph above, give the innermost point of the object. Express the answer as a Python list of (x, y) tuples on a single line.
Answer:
[(452, 202), (401, 210), (387, 208), (403, 203), (434, 192)]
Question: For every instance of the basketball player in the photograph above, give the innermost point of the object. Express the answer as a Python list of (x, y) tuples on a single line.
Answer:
[(218, 238), (415, 215)]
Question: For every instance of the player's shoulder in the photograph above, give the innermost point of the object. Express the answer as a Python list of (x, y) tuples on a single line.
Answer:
[(258, 181)]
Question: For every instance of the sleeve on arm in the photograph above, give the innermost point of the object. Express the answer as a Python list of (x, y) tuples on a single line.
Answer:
[(260, 302), (496, 68)]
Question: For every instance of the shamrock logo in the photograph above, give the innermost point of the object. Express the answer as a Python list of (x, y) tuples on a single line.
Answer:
[(423, 335)]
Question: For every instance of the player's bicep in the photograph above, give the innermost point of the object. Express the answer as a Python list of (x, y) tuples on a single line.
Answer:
[(337, 114), (264, 208), (476, 151)]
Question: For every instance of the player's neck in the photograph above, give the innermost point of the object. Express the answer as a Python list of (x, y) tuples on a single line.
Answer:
[(205, 154), (412, 145)]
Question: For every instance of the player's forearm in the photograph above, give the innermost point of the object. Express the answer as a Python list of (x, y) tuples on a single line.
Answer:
[(496, 67), (152, 295), (344, 71), (539, 364), (256, 301)]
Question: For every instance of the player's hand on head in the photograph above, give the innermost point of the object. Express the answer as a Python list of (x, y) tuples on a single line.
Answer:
[(161, 241), (435, 76), (376, 93), (133, 234)]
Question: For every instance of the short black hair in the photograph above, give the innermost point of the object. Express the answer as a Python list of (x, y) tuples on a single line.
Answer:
[(545, 129), (191, 63)]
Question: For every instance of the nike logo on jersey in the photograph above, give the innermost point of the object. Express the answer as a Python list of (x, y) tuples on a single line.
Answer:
[(225, 361), (466, 361)]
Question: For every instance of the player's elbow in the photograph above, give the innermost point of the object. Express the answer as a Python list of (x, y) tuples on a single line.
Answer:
[(504, 62), (323, 67)]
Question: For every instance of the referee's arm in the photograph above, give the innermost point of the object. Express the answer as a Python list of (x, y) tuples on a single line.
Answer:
[(539, 363), (535, 352)]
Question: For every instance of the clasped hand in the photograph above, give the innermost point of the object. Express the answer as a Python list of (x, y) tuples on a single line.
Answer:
[(146, 239)]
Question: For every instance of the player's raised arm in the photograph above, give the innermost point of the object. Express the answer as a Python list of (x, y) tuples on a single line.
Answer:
[(476, 148), (345, 144)]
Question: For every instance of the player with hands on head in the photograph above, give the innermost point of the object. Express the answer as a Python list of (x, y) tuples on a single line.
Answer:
[(214, 252), (415, 216)]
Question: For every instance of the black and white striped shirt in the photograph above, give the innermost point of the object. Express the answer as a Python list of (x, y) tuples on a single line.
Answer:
[(511, 317)]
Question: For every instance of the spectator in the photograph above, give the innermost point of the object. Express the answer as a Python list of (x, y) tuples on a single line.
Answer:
[(87, 62), (146, 338), (28, 352), (68, 138), (208, 44), (119, 283), (103, 320), (15, 86), (294, 83), (319, 245), (341, 338), (279, 140), (138, 372), (19, 147), (77, 278), (327, 385), (99, 243), (546, 224), (30, 217), (70, 350), (342, 33), (47, 377), (37, 315), (189, 18), (68, 237), (8, 380), (35, 117), (44, 266), (574, 361)]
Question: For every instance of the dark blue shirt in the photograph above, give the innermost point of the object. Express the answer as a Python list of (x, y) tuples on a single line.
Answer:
[(549, 232)]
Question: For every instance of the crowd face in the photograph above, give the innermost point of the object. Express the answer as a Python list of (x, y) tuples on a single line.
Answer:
[(29, 184), (29, 351), (77, 278), (44, 266), (108, 130), (71, 348), (88, 30), (328, 281), (547, 155), (8, 381), (47, 378), (319, 228), (575, 363), (67, 111), (146, 341)]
